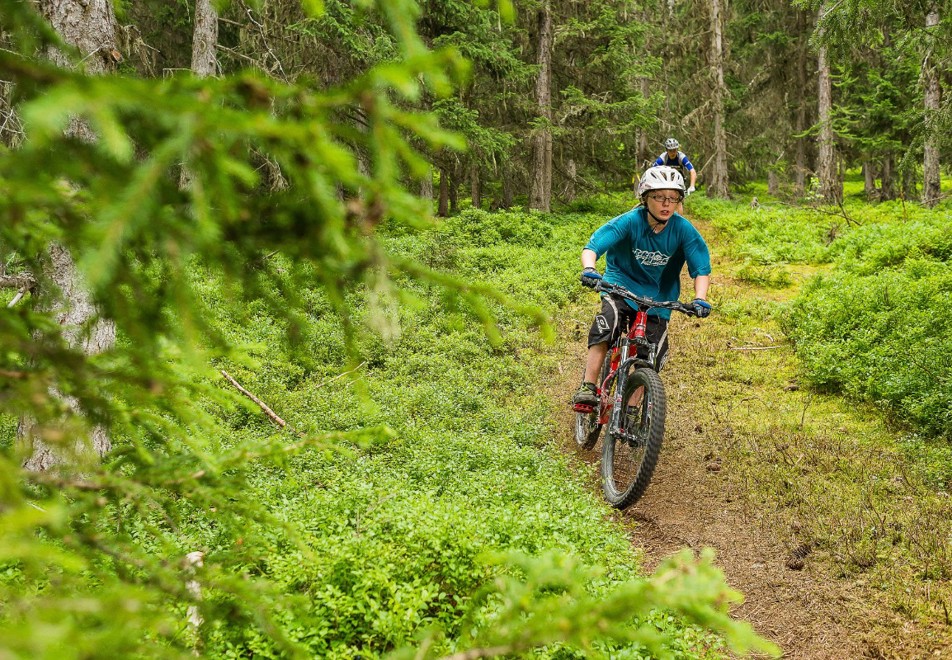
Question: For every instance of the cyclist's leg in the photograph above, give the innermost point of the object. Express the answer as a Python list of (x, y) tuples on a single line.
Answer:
[(594, 361), (612, 319), (604, 330)]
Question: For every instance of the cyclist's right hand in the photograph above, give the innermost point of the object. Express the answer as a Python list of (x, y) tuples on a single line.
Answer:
[(590, 277), (701, 307)]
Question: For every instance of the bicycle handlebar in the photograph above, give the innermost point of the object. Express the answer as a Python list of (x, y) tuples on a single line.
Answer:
[(604, 287)]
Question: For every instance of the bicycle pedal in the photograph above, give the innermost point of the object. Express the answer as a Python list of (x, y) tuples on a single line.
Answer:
[(583, 408)]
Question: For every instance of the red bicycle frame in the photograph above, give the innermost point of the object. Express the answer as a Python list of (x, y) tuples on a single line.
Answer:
[(636, 334)]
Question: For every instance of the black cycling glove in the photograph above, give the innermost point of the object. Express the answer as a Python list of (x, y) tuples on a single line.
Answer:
[(590, 277), (701, 307)]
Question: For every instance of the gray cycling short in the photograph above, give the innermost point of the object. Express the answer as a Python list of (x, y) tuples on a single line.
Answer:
[(616, 316)]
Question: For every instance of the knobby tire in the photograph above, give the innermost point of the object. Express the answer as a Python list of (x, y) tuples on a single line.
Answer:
[(627, 469)]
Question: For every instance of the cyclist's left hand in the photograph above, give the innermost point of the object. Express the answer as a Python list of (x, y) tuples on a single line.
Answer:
[(689, 191), (701, 307)]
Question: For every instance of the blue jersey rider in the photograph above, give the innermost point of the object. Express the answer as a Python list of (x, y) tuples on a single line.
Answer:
[(645, 250), (679, 161)]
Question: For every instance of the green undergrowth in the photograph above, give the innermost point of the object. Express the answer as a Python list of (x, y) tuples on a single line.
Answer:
[(841, 489), (405, 495), (456, 518), (827, 401), (873, 322)]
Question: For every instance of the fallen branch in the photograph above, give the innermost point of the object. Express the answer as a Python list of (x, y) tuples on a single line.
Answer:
[(753, 348), (261, 404), (24, 281), (18, 297)]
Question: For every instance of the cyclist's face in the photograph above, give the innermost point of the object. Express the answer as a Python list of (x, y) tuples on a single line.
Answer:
[(672, 153), (663, 203)]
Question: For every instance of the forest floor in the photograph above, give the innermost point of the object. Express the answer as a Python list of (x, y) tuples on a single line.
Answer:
[(722, 401)]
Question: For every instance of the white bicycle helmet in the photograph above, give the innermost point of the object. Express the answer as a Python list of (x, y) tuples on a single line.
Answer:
[(660, 177), (671, 143)]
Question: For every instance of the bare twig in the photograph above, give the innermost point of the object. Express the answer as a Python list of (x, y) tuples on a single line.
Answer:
[(839, 214), (849, 220), (264, 40), (803, 417), (925, 368), (753, 348), (234, 52), (261, 404), (330, 380)]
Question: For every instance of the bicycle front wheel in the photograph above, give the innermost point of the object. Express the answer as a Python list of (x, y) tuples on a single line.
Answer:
[(630, 454)]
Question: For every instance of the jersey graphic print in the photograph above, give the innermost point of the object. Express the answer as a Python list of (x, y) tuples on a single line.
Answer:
[(646, 258)]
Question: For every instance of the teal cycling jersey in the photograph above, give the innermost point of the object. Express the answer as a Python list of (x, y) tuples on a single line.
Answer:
[(646, 263)]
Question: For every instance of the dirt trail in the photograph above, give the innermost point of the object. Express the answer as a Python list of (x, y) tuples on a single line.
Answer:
[(692, 503)]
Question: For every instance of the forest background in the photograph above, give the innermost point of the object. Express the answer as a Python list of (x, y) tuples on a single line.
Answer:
[(195, 182)]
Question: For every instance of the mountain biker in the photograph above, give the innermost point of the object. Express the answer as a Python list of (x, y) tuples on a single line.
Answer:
[(672, 157), (645, 250)]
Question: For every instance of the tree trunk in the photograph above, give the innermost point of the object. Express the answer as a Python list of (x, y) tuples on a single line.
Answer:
[(73, 308), (718, 180), (508, 188), (773, 183), (571, 172), (426, 186), (205, 39), (90, 26), (204, 64), (540, 196), (454, 188), (475, 189), (869, 181), (887, 190), (802, 158), (931, 184), (830, 189), (444, 207)]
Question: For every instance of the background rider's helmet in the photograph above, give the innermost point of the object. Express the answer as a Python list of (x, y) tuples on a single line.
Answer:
[(671, 143), (660, 177)]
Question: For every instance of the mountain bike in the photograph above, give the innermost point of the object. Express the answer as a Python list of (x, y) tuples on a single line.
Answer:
[(634, 432)]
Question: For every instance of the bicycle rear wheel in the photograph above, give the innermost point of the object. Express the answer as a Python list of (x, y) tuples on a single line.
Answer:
[(629, 455), (587, 428)]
